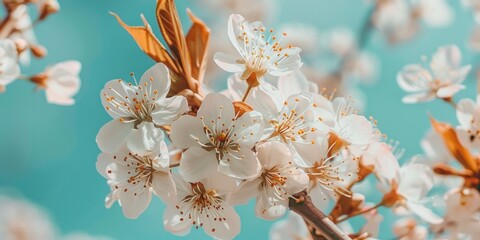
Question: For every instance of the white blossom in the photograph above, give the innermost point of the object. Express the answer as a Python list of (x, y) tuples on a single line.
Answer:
[(130, 105), (217, 139), (443, 80)]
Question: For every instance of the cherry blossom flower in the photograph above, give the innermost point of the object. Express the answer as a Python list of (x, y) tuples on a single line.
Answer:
[(329, 174), (468, 115), (347, 129), (279, 179), (60, 81), (260, 54), (460, 219), (443, 80), (380, 155), (203, 205), (291, 228), (408, 191), (217, 140), (133, 178), (129, 105), (294, 83), (399, 19), (22, 220), (9, 68), (408, 229)]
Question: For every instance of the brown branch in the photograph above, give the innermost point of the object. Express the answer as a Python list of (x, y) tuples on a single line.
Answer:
[(302, 204)]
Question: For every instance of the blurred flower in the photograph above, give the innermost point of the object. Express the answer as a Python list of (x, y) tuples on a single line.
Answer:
[(217, 139), (260, 54), (129, 105), (408, 191), (291, 228), (263, 8), (409, 229), (303, 36), (22, 220), (279, 179), (203, 205), (461, 219), (60, 81), (133, 178), (468, 115), (9, 68), (475, 6), (398, 20), (443, 81), (329, 175)]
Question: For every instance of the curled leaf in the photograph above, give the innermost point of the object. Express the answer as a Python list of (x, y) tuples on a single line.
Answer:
[(148, 43), (198, 38)]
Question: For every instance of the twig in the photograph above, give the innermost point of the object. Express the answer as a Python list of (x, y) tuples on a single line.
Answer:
[(302, 204)]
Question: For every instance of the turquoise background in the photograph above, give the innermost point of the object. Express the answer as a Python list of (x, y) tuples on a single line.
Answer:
[(48, 152)]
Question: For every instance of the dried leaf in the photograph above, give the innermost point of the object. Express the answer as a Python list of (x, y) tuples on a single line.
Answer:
[(198, 38), (172, 32), (449, 136), (148, 43)]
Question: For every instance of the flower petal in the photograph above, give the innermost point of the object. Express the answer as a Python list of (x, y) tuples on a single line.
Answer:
[(169, 110), (156, 81), (245, 192), (173, 224), (112, 135), (145, 139), (164, 187), (197, 164), (187, 131), (242, 164), (228, 63)]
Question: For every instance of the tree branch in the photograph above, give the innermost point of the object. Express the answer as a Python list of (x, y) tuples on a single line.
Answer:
[(302, 204)]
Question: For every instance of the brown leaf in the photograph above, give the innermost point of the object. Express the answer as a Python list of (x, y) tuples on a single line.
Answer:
[(172, 32), (449, 137), (148, 43), (198, 38)]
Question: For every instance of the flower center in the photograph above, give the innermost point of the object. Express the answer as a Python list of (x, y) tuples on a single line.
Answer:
[(143, 170), (137, 108), (220, 141), (261, 51), (202, 205), (328, 176), (291, 125)]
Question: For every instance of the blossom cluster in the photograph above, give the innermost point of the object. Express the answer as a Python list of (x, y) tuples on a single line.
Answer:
[(18, 43), (266, 137)]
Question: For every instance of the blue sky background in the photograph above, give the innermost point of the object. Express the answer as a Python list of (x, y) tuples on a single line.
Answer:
[(48, 152)]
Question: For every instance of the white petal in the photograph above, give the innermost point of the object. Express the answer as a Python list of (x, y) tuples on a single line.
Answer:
[(112, 135), (236, 27), (414, 78), (355, 129), (418, 97), (242, 164), (145, 139), (197, 164), (449, 91), (415, 181), (424, 213), (248, 129), (114, 94), (169, 110), (186, 131), (272, 154), (269, 208), (465, 111), (228, 63), (245, 192), (290, 64), (320, 198), (135, 201), (156, 81), (227, 229), (164, 187), (172, 223), (216, 109), (293, 83)]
